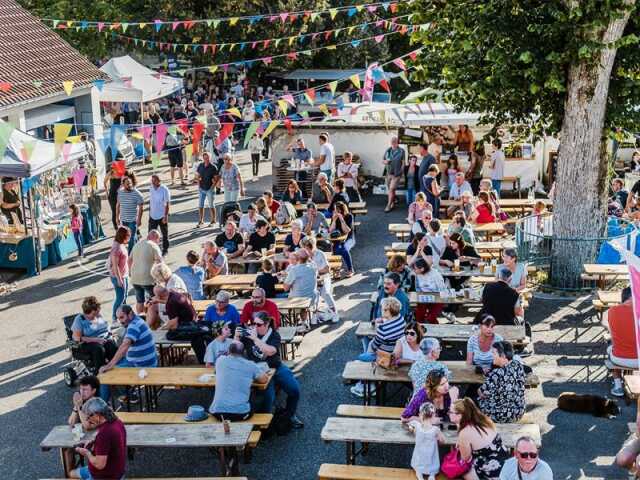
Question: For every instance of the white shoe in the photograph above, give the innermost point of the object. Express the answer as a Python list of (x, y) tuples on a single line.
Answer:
[(335, 318), (254, 179), (358, 390)]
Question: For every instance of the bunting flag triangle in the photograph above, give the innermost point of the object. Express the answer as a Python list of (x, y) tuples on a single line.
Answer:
[(233, 21), (68, 87), (27, 150), (384, 84), (5, 87), (234, 111), (270, 128), (283, 106), (332, 86), (355, 79), (147, 132), (161, 135), (400, 64), (413, 55), (332, 13), (323, 108), (289, 127), (216, 23), (291, 40), (6, 129), (157, 24), (350, 30), (155, 159), (225, 131), (378, 38), (403, 77), (60, 133), (213, 68), (253, 126), (198, 128), (314, 15), (283, 16), (359, 8), (310, 95), (66, 150), (188, 151)]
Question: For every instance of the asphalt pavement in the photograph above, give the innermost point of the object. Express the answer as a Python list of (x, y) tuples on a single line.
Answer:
[(569, 352)]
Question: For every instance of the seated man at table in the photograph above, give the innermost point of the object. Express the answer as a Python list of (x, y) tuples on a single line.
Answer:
[(248, 221), (459, 186), (88, 388), (301, 280), (260, 240), (420, 369), (222, 310), (231, 240), (234, 376), (501, 301), (526, 463), (213, 260), (260, 303), (391, 287), (313, 221), (623, 350), (192, 275), (219, 346), (106, 456), (262, 344), (137, 348)]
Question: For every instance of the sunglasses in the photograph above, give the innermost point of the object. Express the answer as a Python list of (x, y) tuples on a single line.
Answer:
[(410, 333), (258, 324), (531, 455)]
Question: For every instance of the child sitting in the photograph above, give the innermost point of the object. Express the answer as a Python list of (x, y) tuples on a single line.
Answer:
[(426, 458), (267, 280), (428, 280)]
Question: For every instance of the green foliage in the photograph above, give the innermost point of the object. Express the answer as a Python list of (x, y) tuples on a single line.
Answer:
[(522, 49)]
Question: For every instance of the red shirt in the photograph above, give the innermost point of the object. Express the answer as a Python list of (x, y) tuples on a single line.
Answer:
[(275, 205), (623, 334), (111, 441), (269, 307), (484, 214)]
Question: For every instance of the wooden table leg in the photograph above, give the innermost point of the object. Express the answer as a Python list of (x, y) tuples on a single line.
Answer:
[(351, 457), (63, 461), (367, 393)]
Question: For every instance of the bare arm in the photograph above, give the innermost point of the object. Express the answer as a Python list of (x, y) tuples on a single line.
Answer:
[(122, 351)]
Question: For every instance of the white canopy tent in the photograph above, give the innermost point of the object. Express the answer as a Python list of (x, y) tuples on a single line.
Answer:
[(42, 159), (135, 83)]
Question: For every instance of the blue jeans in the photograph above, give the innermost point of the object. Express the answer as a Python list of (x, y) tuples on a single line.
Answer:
[(133, 226), (328, 173), (84, 473), (77, 236), (286, 381), (340, 249), (367, 357), (231, 195), (121, 294), (208, 195), (496, 185), (411, 195)]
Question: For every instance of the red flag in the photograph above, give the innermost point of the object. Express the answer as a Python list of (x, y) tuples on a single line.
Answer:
[(119, 167), (287, 124), (198, 128), (182, 125), (413, 55), (385, 85), (5, 87), (225, 131)]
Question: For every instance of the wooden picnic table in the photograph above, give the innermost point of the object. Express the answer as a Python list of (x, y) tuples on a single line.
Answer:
[(301, 207), (435, 297), (157, 378), (370, 430), (171, 436), (250, 259), (609, 298), (479, 246), (606, 272), (236, 282), (370, 374), (454, 332), (487, 229)]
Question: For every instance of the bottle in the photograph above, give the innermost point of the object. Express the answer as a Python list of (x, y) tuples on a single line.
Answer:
[(531, 195)]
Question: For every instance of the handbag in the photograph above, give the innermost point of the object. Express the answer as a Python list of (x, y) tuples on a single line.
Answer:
[(185, 331), (384, 359), (453, 466)]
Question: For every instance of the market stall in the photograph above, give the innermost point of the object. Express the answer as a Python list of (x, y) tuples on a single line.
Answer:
[(40, 180)]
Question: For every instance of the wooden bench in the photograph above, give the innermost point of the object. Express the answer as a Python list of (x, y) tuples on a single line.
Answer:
[(178, 478), (368, 411), (261, 421), (332, 471)]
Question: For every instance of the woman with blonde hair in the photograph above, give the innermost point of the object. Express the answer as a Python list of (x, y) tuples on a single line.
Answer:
[(164, 277), (479, 442)]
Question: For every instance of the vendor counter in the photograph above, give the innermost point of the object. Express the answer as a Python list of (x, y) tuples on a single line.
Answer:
[(16, 250)]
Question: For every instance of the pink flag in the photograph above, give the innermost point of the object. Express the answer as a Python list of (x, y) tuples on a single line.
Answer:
[(79, 176), (283, 16), (372, 8), (161, 134), (400, 64), (378, 38), (146, 131), (66, 150)]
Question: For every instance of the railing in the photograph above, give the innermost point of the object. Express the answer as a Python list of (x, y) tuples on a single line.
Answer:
[(536, 245)]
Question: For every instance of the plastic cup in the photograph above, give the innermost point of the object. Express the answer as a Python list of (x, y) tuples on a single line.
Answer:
[(226, 425)]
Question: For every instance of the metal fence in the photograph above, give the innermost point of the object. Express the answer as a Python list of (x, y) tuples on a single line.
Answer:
[(537, 246)]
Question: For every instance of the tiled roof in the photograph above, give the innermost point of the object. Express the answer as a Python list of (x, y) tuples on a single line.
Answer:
[(30, 51)]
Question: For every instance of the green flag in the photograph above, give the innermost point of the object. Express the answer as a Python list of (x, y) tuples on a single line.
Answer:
[(250, 131)]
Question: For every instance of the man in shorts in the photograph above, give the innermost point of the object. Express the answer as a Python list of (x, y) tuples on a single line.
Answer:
[(393, 160), (207, 176)]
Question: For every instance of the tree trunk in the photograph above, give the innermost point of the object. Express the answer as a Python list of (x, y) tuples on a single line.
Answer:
[(581, 190)]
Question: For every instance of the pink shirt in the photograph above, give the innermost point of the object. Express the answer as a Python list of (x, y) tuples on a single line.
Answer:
[(119, 252), (415, 211), (76, 223)]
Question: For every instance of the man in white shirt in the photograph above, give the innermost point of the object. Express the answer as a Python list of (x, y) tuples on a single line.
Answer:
[(326, 160), (159, 200), (526, 463), (319, 259), (301, 280), (460, 185), (497, 165)]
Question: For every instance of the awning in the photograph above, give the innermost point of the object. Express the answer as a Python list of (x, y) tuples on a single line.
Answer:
[(133, 82), (48, 115)]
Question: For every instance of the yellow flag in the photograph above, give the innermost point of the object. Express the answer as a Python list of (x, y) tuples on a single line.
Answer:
[(213, 68), (332, 86), (350, 30), (272, 125), (323, 108), (283, 106), (60, 134), (142, 25), (234, 111), (74, 139), (314, 15), (188, 150), (359, 7), (68, 86), (233, 21), (291, 40), (330, 47), (332, 13), (355, 79), (231, 45)]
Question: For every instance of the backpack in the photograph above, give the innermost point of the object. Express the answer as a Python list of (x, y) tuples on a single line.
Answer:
[(285, 214)]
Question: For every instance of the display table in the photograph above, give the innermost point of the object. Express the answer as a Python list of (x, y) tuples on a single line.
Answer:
[(17, 252)]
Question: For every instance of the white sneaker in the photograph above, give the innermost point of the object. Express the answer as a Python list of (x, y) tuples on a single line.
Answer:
[(358, 390), (254, 179), (335, 318)]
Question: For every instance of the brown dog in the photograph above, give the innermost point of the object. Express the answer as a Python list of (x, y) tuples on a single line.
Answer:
[(594, 404)]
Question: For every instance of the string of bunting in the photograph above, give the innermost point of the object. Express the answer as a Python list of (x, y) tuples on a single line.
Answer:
[(68, 85), (212, 48), (173, 25), (374, 74)]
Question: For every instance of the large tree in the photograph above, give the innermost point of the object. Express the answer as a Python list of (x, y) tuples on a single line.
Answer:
[(569, 67)]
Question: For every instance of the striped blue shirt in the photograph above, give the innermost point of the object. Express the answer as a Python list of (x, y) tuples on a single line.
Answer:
[(387, 334), (129, 201), (142, 352)]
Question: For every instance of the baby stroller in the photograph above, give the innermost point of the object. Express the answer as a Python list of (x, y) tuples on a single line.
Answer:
[(81, 363)]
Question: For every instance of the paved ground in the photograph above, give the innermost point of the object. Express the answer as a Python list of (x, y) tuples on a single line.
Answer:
[(568, 342)]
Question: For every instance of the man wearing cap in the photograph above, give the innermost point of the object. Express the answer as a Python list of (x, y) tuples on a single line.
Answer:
[(260, 303), (234, 376), (420, 369), (222, 310), (313, 221), (501, 301)]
